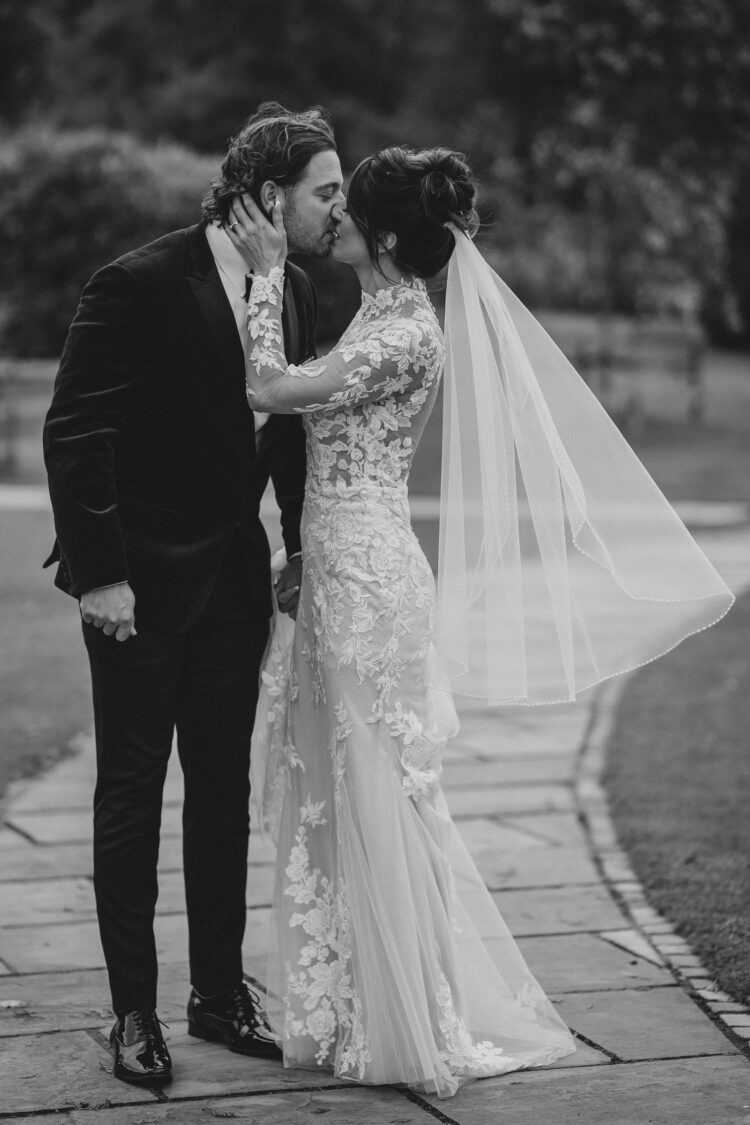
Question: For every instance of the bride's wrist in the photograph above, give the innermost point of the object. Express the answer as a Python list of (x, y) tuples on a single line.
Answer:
[(267, 269), (266, 288), (274, 274)]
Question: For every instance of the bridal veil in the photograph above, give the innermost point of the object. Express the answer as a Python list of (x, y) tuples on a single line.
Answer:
[(558, 552)]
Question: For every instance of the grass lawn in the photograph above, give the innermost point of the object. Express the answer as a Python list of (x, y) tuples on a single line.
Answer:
[(44, 677), (678, 779)]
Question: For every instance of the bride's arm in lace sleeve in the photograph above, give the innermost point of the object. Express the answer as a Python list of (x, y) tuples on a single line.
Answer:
[(390, 359)]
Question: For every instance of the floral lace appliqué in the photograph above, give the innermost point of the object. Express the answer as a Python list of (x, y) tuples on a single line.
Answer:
[(320, 1001), (461, 1053), (420, 754), (263, 327)]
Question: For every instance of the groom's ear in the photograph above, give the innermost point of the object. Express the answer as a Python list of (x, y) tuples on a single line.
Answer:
[(269, 193)]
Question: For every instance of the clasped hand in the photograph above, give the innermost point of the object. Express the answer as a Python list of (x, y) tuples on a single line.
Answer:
[(261, 241), (111, 609), (287, 587)]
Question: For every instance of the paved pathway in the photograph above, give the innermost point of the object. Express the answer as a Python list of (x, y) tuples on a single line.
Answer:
[(523, 786)]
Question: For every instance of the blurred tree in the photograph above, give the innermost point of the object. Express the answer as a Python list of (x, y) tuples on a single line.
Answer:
[(71, 202), (676, 75), (734, 321), (24, 33), (576, 113), (667, 83)]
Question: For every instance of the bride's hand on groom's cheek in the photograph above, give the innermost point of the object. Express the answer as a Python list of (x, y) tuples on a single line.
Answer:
[(261, 241)]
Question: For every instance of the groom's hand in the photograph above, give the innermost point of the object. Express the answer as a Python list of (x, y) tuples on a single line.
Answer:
[(288, 586), (111, 609)]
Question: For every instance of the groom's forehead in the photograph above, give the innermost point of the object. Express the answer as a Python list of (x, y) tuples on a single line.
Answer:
[(323, 171)]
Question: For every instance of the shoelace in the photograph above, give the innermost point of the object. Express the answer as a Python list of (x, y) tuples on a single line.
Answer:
[(148, 1022), (248, 1003), (147, 1025)]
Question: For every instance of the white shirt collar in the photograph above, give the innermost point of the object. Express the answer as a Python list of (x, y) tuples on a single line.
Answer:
[(228, 259)]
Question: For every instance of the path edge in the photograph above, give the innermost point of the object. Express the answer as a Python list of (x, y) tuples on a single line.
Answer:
[(621, 881)]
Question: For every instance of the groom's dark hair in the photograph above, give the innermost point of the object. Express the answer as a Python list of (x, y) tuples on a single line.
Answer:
[(274, 144)]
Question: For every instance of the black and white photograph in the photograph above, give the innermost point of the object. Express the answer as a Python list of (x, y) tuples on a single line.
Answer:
[(375, 562)]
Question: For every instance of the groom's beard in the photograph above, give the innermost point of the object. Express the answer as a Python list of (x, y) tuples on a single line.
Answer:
[(308, 238), (320, 247)]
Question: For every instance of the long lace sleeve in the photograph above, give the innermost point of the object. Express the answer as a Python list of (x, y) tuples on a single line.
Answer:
[(389, 360)]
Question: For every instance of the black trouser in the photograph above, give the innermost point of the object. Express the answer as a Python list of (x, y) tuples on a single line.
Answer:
[(204, 683)]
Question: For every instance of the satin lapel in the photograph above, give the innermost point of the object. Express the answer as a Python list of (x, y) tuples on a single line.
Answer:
[(215, 308), (290, 324)]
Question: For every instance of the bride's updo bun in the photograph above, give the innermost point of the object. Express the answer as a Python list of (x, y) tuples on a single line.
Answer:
[(413, 195), (447, 188)]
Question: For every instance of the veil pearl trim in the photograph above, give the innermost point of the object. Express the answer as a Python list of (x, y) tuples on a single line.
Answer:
[(559, 557)]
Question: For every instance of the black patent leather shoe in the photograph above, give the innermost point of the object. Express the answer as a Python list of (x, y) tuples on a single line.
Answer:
[(234, 1018), (141, 1055)]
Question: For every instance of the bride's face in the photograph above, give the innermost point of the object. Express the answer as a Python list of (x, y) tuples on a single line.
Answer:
[(350, 246)]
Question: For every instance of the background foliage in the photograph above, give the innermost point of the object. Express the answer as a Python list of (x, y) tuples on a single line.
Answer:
[(610, 136), (69, 203)]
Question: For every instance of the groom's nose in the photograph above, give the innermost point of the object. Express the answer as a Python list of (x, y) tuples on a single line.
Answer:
[(337, 211)]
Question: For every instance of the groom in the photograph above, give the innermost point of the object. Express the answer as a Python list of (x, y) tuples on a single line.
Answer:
[(156, 469)]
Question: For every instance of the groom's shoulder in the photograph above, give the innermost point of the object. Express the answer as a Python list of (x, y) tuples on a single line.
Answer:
[(168, 254)]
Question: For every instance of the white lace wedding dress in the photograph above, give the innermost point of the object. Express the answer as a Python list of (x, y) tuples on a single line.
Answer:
[(389, 962)]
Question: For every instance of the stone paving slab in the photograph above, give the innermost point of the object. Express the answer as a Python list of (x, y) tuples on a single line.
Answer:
[(658, 1023), (76, 1000), (53, 796), (550, 827), (513, 799), (10, 841), (49, 1072), (76, 795), (71, 782), (479, 773), (536, 867), (584, 1055), (53, 948), (46, 900), (208, 1070), (558, 910), (64, 900), (553, 733), (21, 858), (45, 1002), (74, 825), (348, 1106), (26, 861), (586, 963), (633, 942), (704, 1091), (483, 836)]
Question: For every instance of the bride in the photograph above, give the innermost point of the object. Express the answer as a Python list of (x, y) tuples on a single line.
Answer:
[(389, 962)]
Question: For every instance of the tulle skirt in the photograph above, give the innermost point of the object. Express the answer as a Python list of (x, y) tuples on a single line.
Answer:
[(388, 960)]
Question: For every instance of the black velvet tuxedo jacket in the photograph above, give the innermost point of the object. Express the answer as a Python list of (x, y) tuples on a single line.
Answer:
[(149, 442)]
